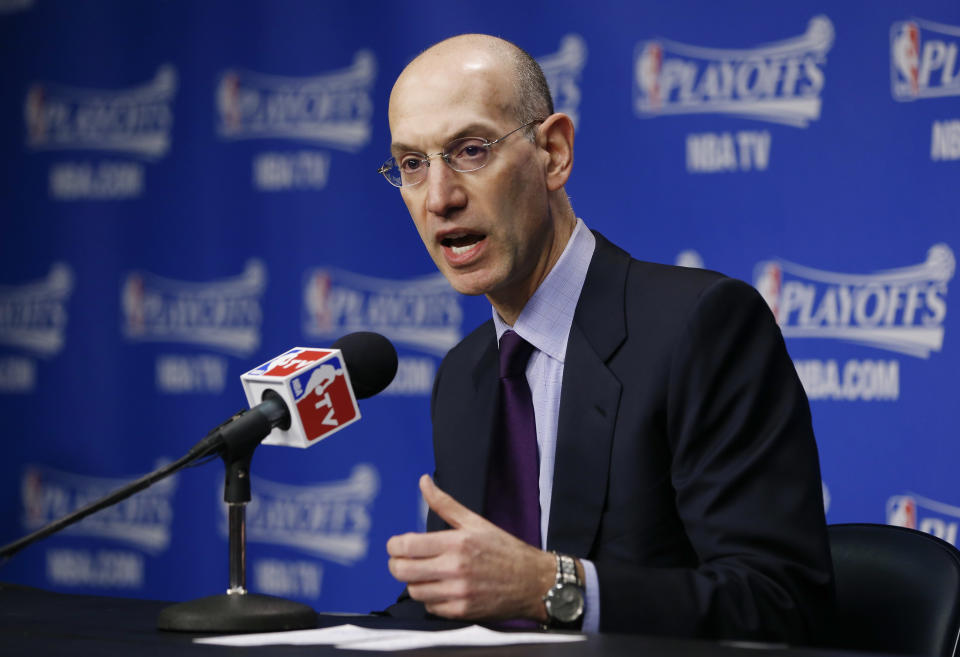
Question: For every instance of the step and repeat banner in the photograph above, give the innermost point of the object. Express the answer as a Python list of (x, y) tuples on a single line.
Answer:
[(190, 188)]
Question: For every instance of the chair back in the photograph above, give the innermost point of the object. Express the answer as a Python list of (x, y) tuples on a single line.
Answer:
[(898, 590)]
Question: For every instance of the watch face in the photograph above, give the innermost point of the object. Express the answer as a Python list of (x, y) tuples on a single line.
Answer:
[(565, 602)]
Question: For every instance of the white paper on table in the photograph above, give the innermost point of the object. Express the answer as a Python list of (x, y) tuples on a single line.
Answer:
[(352, 637), (326, 636), (466, 636)]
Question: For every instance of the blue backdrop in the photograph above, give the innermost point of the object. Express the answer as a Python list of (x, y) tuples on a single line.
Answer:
[(189, 189)]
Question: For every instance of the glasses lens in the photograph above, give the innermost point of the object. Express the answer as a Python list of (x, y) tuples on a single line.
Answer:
[(391, 172), (467, 154)]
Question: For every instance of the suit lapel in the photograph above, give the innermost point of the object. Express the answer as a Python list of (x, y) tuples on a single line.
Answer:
[(476, 415), (589, 402)]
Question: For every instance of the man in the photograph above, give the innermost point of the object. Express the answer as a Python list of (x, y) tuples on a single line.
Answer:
[(675, 455)]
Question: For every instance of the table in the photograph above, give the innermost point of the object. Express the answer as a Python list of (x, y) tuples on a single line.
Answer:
[(37, 623)]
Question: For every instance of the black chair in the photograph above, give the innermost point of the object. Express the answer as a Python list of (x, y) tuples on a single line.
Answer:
[(898, 590)]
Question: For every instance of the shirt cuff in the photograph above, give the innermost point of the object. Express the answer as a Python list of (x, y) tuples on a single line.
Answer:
[(591, 615)]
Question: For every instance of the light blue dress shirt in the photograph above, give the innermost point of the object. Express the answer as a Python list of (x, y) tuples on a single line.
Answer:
[(545, 323)]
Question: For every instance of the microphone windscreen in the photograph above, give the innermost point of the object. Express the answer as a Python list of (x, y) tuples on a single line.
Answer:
[(371, 361)]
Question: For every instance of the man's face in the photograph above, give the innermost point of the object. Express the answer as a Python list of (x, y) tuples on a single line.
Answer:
[(488, 231)]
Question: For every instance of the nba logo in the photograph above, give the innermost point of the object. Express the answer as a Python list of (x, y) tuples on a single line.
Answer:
[(36, 114), (902, 511), (229, 102), (905, 53), (649, 66), (290, 362), (318, 302), (323, 399), (134, 305), (769, 282)]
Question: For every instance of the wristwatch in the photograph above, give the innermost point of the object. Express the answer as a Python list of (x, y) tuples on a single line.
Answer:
[(564, 601)]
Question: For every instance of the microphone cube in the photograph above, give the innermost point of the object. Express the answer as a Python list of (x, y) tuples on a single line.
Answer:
[(315, 386)]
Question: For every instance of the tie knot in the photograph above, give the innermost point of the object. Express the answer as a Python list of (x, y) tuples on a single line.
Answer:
[(514, 354)]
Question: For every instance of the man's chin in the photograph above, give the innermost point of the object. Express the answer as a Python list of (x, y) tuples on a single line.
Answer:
[(471, 284)]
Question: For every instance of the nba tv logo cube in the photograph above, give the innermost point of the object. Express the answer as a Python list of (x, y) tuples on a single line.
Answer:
[(315, 386)]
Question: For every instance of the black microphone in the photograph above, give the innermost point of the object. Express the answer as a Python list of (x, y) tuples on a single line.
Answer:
[(371, 361)]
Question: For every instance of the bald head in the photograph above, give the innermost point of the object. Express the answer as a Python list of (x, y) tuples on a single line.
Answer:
[(527, 94)]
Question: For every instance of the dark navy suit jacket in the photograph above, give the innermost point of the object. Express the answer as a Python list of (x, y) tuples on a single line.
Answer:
[(686, 467)]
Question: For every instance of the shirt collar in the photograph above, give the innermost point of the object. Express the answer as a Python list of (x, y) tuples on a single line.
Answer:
[(546, 319)]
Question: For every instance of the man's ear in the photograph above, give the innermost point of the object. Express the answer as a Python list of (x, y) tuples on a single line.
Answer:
[(555, 136)]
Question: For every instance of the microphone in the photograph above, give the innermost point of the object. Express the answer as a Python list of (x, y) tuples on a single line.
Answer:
[(307, 394), (371, 361)]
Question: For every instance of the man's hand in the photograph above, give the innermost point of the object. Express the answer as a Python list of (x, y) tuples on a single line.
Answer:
[(474, 570)]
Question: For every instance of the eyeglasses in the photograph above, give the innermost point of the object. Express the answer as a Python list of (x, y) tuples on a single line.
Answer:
[(462, 155)]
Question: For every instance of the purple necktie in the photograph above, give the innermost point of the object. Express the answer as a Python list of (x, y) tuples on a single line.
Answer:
[(513, 480)]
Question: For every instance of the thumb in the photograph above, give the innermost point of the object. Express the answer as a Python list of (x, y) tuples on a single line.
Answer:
[(455, 514)]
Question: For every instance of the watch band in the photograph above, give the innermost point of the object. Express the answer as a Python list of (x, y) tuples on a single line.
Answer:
[(567, 570), (565, 599)]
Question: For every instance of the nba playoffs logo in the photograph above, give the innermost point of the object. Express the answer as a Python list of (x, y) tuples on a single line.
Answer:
[(778, 82), (924, 60), (330, 520), (930, 516), (901, 310), (137, 120), (225, 313), (143, 521), (423, 313), (33, 316), (334, 109)]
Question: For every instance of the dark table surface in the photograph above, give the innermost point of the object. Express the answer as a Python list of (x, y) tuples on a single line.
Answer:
[(38, 623)]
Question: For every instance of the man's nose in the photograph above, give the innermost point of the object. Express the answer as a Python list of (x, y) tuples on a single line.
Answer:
[(445, 192)]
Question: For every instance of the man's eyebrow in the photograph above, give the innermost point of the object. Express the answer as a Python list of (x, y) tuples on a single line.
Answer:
[(474, 130), (397, 148), (484, 130)]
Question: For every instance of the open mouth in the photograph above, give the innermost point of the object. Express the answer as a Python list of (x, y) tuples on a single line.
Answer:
[(462, 243)]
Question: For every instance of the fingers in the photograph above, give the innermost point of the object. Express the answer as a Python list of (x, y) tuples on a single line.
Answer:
[(448, 599), (418, 546), (447, 566), (455, 514), (455, 588)]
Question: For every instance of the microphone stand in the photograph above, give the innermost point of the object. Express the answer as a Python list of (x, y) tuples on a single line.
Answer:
[(237, 610)]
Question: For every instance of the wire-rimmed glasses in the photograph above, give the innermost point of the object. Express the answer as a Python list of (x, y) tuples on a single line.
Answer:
[(462, 155)]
